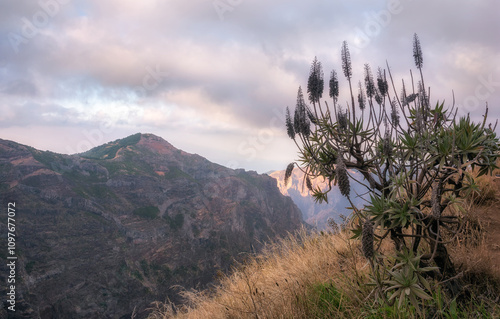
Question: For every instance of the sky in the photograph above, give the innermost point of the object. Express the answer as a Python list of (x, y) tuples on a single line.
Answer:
[(214, 77)]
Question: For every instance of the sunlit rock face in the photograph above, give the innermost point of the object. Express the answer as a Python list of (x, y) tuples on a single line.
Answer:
[(314, 213)]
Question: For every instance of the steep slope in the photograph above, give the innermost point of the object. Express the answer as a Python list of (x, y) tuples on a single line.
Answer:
[(113, 229), (314, 213), (490, 215)]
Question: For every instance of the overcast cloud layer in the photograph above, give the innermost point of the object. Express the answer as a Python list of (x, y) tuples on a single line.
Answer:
[(213, 77)]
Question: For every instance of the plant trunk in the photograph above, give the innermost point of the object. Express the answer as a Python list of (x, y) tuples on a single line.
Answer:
[(443, 262), (416, 241), (397, 239)]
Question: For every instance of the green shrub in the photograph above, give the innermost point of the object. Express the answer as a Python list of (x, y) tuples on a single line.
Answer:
[(325, 300), (176, 222)]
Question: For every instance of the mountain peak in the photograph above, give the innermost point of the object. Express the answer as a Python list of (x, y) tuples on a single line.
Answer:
[(134, 208), (148, 140), (156, 144)]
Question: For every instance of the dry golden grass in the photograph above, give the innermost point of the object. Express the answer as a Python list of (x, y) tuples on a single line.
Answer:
[(469, 248), (280, 282), (487, 186), (289, 278), (470, 251), (487, 189)]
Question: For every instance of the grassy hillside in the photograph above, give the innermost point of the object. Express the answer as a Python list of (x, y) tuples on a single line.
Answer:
[(324, 275)]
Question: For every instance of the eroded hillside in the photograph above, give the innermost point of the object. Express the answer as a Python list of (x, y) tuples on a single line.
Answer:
[(109, 231)]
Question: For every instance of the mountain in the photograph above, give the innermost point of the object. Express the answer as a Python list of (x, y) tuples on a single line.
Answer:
[(314, 213), (104, 233)]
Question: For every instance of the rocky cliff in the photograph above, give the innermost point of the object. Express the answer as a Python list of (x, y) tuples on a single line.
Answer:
[(314, 213), (104, 233)]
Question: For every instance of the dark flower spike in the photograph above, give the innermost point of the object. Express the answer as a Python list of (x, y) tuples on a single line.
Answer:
[(410, 98), (394, 113), (300, 98), (383, 87), (361, 97), (311, 117), (367, 239), (417, 52), (334, 85), (403, 95), (309, 184), (298, 106), (289, 125), (369, 83), (346, 60), (301, 123), (342, 119), (296, 120), (288, 172), (342, 178), (315, 83)]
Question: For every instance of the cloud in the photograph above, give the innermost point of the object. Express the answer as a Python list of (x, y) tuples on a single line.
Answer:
[(19, 87), (31, 113), (192, 65)]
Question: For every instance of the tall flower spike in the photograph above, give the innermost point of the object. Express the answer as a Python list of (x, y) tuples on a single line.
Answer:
[(361, 97), (309, 184), (346, 60), (394, 113), (289, 125), (288, 172), (311, 116), (424, 101), (367, 239), (342, 178), (296, 116), (296, 120), (305, 127), (370, 85), (403, 95), (410, 98), (342, 119), (383, 87), (417, 52), (334, 85), (315, 83), (300, 121)]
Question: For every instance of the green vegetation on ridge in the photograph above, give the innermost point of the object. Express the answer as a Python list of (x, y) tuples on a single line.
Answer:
[(108, 150)]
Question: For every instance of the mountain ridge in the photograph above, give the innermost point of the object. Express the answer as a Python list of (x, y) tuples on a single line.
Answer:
[(115, 227)]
